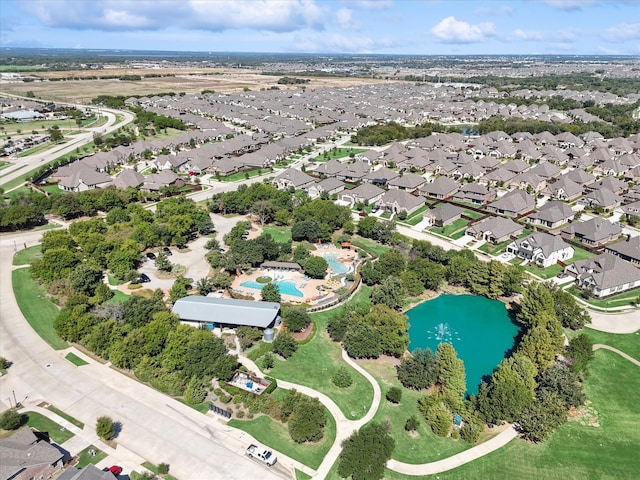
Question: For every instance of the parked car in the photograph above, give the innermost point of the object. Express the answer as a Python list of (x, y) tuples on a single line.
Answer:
[(144, 278), (167, 250), (262, 454), (363, 214), (151, 256), (115, 469)]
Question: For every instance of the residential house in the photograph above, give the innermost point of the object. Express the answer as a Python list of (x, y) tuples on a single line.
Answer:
[(353, 172), (165, 178), (610, 183), (580, 177), (441, 187), (605, 274), (632, 210), (475, 193), (370, 156), (329, 186), (552, 214), (443, 215), (24, 456), (564, 189), (89, 472), (380, 176), (494, 229), (365, 193), (293, 178), (128, 177), (541, 248), (409, 182), (513, 204), (628, 249), (84, 179), (596, 231), (601, 198), (396, 201), (328, 169)]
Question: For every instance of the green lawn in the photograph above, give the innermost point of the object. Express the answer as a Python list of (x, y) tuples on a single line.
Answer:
[(235, 177), (425, 447), (315, 363), (118, 297), (56, 432), (416, 217), (85, 458), (472, 214), (76, 360), (154, 468), (37, 149), (370, 246), (52, 189), (301, 475), (452, 228), (629, 343), (276, 435), (202, 407), (26, 256), (67, 417), (340, 153), (258, 350), (39, 311), (624, 298), (574, 451), (279, 234)]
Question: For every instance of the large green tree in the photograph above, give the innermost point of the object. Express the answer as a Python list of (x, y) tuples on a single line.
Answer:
[(450, 374), (365, 453)]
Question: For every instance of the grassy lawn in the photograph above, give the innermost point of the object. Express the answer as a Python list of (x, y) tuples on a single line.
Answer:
[(36, 307), (416, 217), (544, 273), (85, 458), (235, 177), (624, 298), (258, 350), (452, 228), (580, 254), (76, 360), (472, 214), (279, 234), (629, 343), (301, 475), (574, 451), (202, 407), (52, 189), (37, 149), (314, 364), (425, 447), (41, 423), (118, 297), (276, 435), (339, 153), (4, 164), (26, 256), (67, 417), (155, 469), (369, 245)]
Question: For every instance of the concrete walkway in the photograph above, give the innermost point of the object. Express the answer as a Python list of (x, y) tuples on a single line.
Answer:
[(599, 346), (628, 322)]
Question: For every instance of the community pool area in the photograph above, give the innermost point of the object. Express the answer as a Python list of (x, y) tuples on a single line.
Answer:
[(336, 266), (286, 287)]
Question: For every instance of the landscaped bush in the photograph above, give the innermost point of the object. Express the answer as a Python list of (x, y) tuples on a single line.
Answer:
[(12, 420), (342, 378), (248, 336), (195, 392), (105, 428), (284, 344), (4, 363), (394, 395), (411, 425), (268, 361)]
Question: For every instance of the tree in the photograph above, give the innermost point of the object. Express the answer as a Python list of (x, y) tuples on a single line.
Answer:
[(569, 312), (418, 370), (512, 280), (4, 363), (342, 378), (471, 430), (12, 420), (564, 383), (315, 266), (580, 351), (105, 428), (544, 415), (268, 361), (538, 345), (284, 344), (264, 210), (55, 134), (85, 277), (392, 328), (394, 395), (365, 453), (450, 374), (270, 293), (337, 327), (363, 341), (390, 292), (536, 306), (204, 286), (179, 289), (296, 318), (307, 421), (162, 262), (195, 391), (412, 424)]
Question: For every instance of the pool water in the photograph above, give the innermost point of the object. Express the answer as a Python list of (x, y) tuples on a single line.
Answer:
[(337, 267), (478, 328), (287, 287)]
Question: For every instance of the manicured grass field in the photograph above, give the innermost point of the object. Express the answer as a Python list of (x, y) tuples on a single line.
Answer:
[(451, 229), (26, 256), (369, 245), (56, 432), (622, 299), (279, 234), (629, 343), (84, 458), (275, 434), (76, 360), (574, 451), (202, 407), (36, 307), (67, 417), (302, 476), (315, 363), (425, 447)]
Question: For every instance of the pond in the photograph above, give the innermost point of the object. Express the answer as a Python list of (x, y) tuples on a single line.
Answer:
[(478, 328)]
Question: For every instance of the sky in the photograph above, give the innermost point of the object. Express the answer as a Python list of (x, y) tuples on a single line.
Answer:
[(420, 27)]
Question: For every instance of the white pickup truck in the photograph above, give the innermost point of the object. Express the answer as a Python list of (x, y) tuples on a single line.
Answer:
[(262, 454)]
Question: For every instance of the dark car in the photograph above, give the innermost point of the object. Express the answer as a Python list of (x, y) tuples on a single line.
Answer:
[(144, 278), (115, 469), (167, 250), (151, 255)]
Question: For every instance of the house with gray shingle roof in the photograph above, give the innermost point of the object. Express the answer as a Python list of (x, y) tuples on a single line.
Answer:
[(366, 192), (164, 178), (380, 176), (292, 177), (475, 193), (441, 187), (329, 169), (443, 215), (603, 198), (513, 204), (23, 456), (605, 274), (329, 185), (408, 182), (128, 177), (494, 229), (552, 214), (396, 201), (84, 179), (89, 472), (596, 231), (541, 248), (628, 249), (353, 172)]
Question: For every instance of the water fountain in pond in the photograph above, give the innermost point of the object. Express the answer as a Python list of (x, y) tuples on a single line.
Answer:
[(443, 334)]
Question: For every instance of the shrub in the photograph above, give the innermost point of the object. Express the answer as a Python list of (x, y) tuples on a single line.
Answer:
[(402, 215), (105, 428), (4, 363), (394, 395), (284, 344), (411, 425), (134, 286), (470, 431), (240, 414), (248, 335), (268, 361), (163, 468), (342, 378), (12, 419), (195, 392)]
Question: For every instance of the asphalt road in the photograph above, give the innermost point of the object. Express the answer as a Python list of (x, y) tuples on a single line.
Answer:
[(154, 426)]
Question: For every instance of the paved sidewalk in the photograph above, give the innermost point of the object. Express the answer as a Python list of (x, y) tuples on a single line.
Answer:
[(599, 346)]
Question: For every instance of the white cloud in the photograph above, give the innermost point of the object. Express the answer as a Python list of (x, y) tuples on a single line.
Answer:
[(344, 19), (623, 32), (527, 36), (450, 30)]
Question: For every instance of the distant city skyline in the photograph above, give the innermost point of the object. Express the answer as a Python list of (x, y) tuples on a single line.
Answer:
[(419, 27)]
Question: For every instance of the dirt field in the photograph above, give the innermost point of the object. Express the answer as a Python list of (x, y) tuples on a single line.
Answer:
[(189, 81)]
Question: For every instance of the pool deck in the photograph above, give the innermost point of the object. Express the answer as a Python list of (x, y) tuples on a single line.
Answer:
[(309, 287)]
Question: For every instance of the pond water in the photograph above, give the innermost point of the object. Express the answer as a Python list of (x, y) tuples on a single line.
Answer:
[(478, 328)]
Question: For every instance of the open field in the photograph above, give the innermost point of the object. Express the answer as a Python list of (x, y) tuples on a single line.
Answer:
[(185, 80)]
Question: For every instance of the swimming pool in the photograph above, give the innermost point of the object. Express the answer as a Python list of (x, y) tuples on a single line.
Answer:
[(337, 267), (286, 287)]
